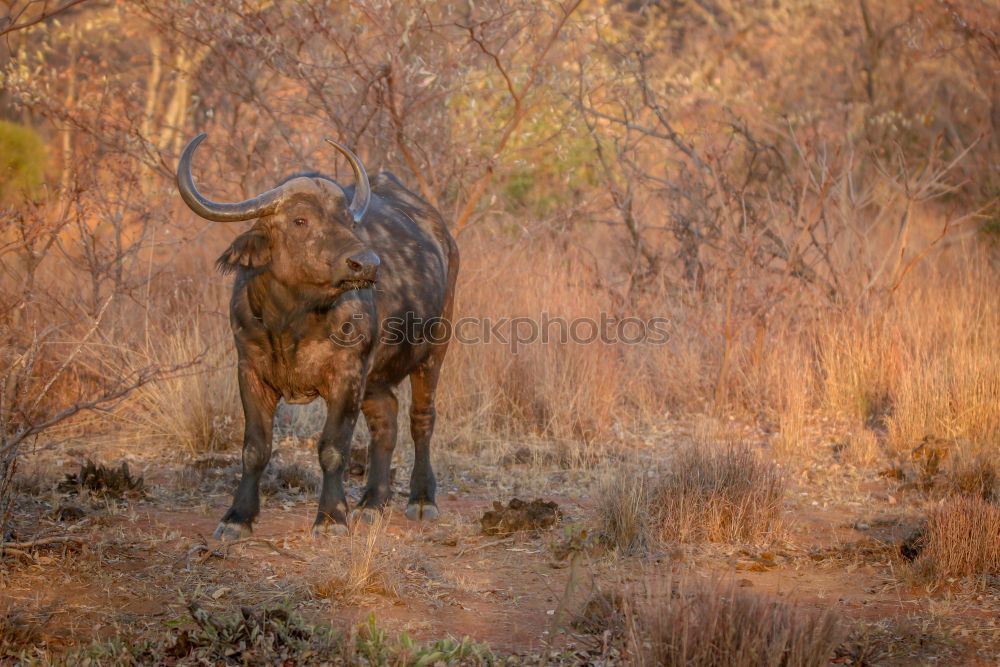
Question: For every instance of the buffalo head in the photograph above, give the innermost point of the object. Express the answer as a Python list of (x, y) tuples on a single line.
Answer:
[(305, 230)]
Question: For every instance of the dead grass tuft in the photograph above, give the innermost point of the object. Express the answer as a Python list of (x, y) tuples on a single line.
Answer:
[(103, 481), (975, 476), (19, 632), (859, 447), (719, 495), (369, 567), (714, 494), (604, 611), (962, 540), (693, 623), (624, 509)]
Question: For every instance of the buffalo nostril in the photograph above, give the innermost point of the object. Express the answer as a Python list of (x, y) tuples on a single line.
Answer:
[(364, 264)]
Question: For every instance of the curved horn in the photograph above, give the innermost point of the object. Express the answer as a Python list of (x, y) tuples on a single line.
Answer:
[(210, 210), (362, 188)]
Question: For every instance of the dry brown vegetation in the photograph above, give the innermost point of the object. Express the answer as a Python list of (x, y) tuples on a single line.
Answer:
[(705, 492), (711, 623), (367, 566), (962, 540), (805, 192)]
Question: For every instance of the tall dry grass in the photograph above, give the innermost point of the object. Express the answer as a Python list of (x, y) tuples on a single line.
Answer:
[(694, 624), (962, 539), (561, 391), (706, 492), (924, 365), (895, 369), (196, 411)]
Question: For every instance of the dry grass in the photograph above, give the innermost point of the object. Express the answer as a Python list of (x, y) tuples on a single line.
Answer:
[(624, 511), (365, 566), (198, 411), (962, 540), (693, 623), (924, 365), (573, 392), (706, 493), (719, 495), (896, 368), (974, 476), (861, 447), (289, 478), (19, 632)]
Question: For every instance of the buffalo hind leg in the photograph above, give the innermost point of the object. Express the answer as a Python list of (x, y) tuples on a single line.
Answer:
[(259, 402), (334, 453), (423, 382), (381, 410)]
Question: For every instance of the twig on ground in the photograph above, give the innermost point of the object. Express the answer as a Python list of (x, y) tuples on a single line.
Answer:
[(260, 541), (61, 539), (16, 552), (486, 545)]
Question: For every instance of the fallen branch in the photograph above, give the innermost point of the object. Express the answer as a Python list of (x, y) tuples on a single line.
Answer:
[(486, 545), (201, 552), (45, 541), (260, 541), (16, 552)]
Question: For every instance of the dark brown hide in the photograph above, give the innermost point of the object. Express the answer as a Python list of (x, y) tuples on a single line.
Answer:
[(314, 295)]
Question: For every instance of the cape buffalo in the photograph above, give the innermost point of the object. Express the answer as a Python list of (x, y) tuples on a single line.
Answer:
[(318, 275)]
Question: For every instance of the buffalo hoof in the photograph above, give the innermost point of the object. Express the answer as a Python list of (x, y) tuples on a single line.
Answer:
[(364, 515), (326, 527), (422, 510), (232, 531)]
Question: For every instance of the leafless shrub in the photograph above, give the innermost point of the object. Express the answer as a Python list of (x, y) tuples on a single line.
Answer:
[(694, 623), (31, 403), (962, 539)]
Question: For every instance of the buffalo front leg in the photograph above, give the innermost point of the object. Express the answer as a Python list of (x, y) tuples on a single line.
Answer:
[(423, 381), (380, 410), (259, 402), (334, 453)]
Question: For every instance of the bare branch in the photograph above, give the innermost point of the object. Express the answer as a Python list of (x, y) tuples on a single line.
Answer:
[(16, 20)]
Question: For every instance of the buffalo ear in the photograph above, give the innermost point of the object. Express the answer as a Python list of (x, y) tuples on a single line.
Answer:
[(251, 249)]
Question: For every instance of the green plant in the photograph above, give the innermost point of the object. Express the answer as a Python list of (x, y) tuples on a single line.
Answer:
[(22, 160)]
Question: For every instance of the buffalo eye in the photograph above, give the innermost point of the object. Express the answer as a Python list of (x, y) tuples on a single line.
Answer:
[(299, 222)]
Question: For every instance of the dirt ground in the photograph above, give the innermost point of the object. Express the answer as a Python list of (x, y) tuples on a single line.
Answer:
[(135, 563)]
